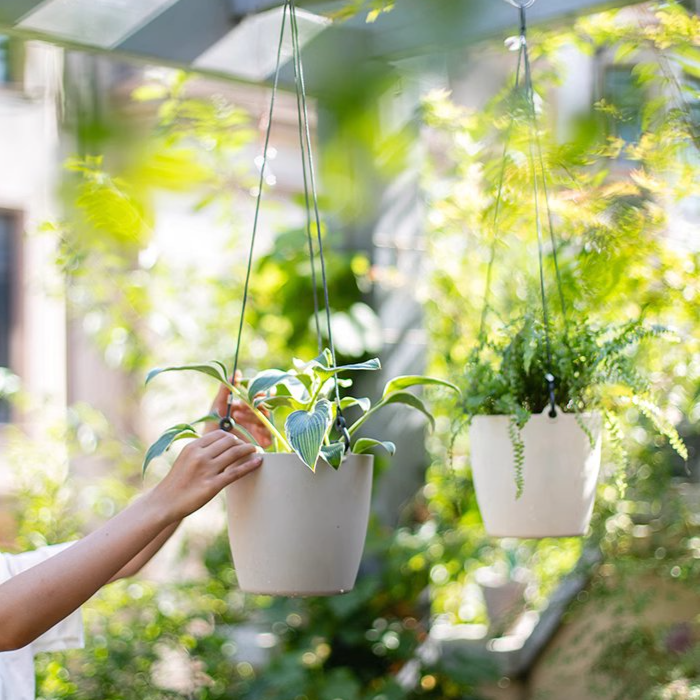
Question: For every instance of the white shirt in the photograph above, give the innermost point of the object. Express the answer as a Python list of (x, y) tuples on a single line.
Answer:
[(17, 677)]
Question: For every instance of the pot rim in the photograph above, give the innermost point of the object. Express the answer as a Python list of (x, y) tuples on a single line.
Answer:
[(280, 457), (586, 414)]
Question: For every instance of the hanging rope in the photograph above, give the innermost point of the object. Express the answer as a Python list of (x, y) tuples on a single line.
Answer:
[(307, 206), (530, 99), (308, 169), (535, 128), (226, 423), (340, 423), (497, 211), (536, 159)]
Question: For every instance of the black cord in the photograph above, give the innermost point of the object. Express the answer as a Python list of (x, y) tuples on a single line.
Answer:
[(530, 95), (297, 63), (340, 420), (497, 211), (226, 423)]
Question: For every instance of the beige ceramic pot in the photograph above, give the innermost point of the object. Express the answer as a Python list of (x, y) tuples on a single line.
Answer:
[(560, 475), (294, 532)]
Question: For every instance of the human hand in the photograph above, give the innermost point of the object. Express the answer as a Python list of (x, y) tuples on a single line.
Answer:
[(241, 414), (203, 468)]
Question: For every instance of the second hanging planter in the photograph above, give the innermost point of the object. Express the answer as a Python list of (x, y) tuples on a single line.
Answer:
[(560, 469)]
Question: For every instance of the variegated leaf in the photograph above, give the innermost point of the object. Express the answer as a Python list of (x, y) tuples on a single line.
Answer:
[(306, 431)]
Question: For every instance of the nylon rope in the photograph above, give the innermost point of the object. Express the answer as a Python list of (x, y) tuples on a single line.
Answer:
[(530, 95), (545, 189), (312, 177), (307, 205), (499, 198), (226, 422)]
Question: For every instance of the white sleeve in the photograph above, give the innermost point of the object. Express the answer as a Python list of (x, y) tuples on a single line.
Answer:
[(67, 634)]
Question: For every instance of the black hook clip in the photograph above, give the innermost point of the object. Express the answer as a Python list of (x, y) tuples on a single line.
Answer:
[(342, 427), (226, 424), (549, 377)]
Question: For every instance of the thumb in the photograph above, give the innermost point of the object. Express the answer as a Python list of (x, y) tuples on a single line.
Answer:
[(221, 400)]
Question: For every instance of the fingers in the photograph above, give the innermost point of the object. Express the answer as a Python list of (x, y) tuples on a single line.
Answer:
[(221, 399), (210, 438), (262, 435), (243, 415), (234, 454), (238, 470), (225, 441)]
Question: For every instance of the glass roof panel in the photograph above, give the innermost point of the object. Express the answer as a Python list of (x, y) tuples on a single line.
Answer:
[(102, 23), (250, 50)]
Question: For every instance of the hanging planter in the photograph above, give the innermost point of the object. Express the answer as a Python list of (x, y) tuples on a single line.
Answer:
[(297, 533), (535, 465), (297, 524), (558, 464), (536, 395), (503, 592)]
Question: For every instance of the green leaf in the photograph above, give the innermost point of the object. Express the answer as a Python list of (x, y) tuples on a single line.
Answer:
[(177, 432), (306, 431), (364, 403), (264, 381), (370, 365), (415, 380), (273, 402), (214, 369), (366, 444), (323, 360), (408, 399), (333, 453)]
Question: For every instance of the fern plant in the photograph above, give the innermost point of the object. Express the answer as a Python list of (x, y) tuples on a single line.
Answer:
[(297, 407), (594, 370)]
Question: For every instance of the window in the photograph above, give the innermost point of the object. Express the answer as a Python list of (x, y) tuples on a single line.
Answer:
[(7, 226), (5, 67), (621, 92)]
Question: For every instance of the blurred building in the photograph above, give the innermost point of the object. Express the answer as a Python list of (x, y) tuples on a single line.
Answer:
[(55, 359)]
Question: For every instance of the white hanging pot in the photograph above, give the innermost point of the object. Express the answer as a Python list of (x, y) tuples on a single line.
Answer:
[(503, 595), (294, 532), (560, 472)]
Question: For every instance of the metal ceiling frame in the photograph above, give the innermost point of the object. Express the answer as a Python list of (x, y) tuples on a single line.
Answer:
[(185, 29)]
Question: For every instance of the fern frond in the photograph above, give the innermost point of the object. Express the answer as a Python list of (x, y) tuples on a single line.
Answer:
[(651, 411), (516, 440)]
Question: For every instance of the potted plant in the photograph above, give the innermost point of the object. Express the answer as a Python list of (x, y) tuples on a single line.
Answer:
[(503, 586), (297, 525), (535, 469)]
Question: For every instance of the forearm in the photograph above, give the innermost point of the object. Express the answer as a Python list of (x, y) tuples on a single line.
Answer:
[(146, 554), (34, 601)]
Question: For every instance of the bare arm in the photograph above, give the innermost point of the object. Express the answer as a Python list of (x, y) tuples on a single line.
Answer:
[(243, 416), (34, 601), (146, 554)]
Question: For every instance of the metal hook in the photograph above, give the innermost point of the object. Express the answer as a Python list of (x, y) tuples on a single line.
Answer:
[(342, 427), (549, 378)]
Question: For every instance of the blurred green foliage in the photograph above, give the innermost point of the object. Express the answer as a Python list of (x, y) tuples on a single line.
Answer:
[(623, 260), (610, 199)]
